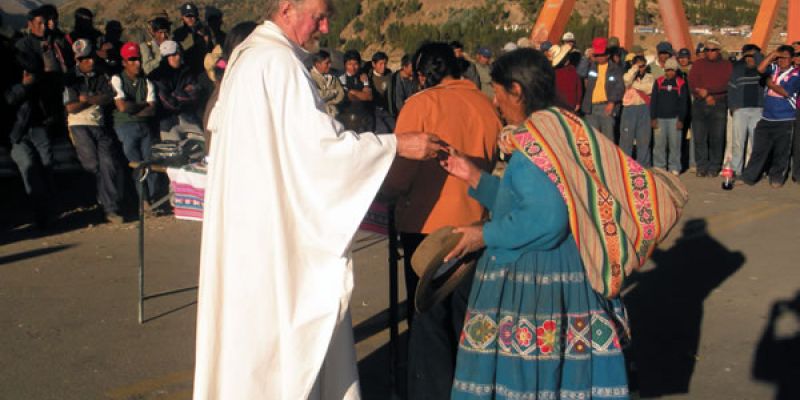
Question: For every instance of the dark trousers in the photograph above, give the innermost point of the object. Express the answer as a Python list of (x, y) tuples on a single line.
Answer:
[(708, 129), (434, 335), (96, 150), (410, 242), (796, 151), (770, 138), (384, 122), (33, 155)]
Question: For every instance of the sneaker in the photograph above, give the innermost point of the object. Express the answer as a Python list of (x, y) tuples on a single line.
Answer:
[(676, 173), (114, 218)]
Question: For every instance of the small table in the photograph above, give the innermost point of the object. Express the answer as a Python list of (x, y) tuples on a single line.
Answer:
[(142, 169)]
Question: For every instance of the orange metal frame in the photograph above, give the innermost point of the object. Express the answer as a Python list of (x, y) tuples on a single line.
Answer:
[(553, 17)]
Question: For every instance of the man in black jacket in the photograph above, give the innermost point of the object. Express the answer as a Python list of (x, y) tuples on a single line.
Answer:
[(194, 38), (31, 149), (177, 94), (604, 88)]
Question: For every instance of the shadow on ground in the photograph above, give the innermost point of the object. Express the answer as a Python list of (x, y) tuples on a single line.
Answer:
[(25, 255), (777, 358), (665, 306)]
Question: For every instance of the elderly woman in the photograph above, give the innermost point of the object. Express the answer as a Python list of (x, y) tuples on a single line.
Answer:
[(544, 318)]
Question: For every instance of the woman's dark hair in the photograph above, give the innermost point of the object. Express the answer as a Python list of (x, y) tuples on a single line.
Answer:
[(237, 35), (436, 61), (532, 71)]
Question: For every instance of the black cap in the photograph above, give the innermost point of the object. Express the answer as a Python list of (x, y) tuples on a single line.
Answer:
[(84, 13), (189, 9)]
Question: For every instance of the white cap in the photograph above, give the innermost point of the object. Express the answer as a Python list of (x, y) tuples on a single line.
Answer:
[(168, 48), (510, 46), (568, 37)]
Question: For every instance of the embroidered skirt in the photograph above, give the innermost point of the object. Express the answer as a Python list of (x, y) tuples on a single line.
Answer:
[(535, 330)]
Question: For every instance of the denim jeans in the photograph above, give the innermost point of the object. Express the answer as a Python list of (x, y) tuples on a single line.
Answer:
[(597, 118), (744, 124), (772, 139), (137, 144), (97, 153), (667, 140), (708, 128), (33, 155), (635, 124)]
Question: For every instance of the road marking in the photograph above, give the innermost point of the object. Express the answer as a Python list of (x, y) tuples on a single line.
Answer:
[(149, 385)]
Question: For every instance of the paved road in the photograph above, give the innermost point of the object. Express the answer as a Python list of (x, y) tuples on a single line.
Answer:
[(69, 322)]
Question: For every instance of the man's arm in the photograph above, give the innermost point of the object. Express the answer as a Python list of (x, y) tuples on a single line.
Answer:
[(766, 62), (148, 110)]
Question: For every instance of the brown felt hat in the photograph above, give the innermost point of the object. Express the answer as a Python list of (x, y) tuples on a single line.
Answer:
[(437, 278)]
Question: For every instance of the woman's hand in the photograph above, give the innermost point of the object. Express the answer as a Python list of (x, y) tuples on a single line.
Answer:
[(458, 165), (471, 241)]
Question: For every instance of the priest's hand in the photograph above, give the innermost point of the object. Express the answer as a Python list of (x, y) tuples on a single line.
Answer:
[(472, 240), (418, 145)]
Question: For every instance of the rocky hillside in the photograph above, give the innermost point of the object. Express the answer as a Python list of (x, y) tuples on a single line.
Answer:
[(400, 25)]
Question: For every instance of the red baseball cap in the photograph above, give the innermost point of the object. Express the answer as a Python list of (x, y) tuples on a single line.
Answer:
[(599, 45), (130, 50)]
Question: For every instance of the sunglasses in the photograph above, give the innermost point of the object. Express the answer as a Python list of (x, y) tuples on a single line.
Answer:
[(134, 59), (709, 50)]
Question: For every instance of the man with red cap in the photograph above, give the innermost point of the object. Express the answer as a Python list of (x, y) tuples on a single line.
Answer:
[(604, 88), (135, 100)]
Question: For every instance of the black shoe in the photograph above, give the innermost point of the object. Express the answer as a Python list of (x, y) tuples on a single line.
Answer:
[(701, 174)]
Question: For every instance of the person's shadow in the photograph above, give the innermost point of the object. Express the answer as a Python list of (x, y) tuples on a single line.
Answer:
[(665, 306), (777, 358)]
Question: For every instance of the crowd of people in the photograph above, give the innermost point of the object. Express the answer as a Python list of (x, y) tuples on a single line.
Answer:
[(301, 150), (679, 112), (114, 100)]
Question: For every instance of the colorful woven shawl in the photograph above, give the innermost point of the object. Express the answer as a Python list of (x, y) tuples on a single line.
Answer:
[(618, 210)]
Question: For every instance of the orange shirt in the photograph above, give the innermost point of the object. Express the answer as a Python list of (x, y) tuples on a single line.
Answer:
[(429, 198)]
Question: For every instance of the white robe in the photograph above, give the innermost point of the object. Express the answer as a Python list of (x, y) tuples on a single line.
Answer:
[(287, 188)]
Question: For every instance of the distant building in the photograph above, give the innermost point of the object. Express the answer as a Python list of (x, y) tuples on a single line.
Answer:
[(730, 31), (645, 29), (700, 30)]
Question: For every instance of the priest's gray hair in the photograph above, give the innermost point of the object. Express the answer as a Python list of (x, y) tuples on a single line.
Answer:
[(272, 6)]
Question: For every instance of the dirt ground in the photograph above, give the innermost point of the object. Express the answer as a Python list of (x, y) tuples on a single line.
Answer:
[(699, 310)]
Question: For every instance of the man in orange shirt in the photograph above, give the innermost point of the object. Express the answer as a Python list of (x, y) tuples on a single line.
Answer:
[(429, 199)]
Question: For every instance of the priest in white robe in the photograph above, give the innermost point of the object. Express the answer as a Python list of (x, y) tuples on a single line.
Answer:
[(287, 188)]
